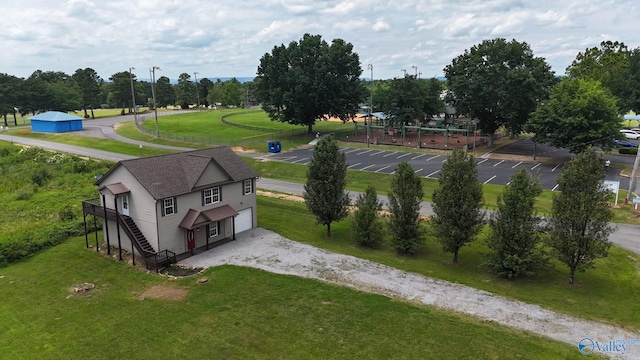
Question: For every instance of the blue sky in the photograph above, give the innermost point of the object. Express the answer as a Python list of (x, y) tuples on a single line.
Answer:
[(228, 37)]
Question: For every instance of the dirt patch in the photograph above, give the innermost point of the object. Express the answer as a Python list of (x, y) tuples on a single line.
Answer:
[(163, 293), (289, 197), (243, 150)]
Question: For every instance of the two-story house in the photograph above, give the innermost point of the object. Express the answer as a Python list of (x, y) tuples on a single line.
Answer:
[(165, 206)]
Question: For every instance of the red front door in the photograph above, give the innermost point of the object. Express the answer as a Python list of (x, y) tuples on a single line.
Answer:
[(191, 240)]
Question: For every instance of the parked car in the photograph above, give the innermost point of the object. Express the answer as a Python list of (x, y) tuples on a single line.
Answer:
[(630, 134), (625, 143)]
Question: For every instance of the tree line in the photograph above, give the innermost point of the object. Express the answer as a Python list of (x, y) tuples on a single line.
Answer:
[(520, 242), (85, 90), (500, 84)]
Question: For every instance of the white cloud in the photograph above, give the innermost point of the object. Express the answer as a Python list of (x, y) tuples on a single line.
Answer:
[(228, 37)]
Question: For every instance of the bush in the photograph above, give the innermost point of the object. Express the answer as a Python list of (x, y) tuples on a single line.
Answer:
[(628, 150)]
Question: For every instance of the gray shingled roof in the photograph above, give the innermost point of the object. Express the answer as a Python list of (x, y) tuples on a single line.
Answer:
[(176, 174)]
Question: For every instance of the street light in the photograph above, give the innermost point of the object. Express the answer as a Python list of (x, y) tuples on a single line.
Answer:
[(370, 67), (152, 72), (195, 75), (404, 72), (133, 95), (415, 69)]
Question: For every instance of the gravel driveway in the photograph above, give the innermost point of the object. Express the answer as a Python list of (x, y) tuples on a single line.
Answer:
[(266, 250)]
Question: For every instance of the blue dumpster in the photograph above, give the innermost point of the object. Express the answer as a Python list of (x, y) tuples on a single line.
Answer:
[(275, 146)]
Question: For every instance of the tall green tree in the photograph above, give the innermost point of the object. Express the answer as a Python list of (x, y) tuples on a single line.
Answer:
[(120, 89), (580, 214), (629, 86), (165, 94), (204, 87), (412, 100), (185, 91), (310, 80), (11, 90), (324, 193), (498, 82), (607, 64), (514, 239), (233, 93), (578, 114), (367, 229), (89, 83), (457, 203), (51, 90), (404, 197)]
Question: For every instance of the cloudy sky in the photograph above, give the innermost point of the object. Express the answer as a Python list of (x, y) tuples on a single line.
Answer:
[(224, 38)]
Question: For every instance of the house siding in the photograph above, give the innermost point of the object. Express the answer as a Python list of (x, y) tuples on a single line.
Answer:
[(211, 175), (141, 207)]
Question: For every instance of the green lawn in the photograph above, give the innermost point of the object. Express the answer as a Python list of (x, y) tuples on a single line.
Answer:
[(239, 313), (603, 293)]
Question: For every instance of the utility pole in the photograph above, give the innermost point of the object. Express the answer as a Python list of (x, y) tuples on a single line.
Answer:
[(404, 72), (415, 70), (195, 75), (370, 67), (133, 95), (152, 72)]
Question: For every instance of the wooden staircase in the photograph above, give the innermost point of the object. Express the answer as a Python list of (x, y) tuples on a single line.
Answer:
[(151, 257)]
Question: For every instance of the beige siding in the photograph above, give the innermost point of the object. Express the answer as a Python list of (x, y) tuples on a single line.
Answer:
[(141, 206), (173, 237), (211, 175)]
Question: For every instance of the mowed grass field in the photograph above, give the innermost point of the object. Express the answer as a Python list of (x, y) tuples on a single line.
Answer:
[(239, 313)]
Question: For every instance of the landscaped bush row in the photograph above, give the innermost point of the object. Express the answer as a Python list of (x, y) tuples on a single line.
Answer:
[(628, 150), (41, 192)]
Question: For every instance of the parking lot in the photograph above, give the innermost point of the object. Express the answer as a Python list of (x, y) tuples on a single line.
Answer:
[(490, 171)]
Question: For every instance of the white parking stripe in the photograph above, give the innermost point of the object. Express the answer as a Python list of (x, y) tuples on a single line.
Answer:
[(403, 155), (498, 163), (415, 157), (417, 171), (286, 158), (354, 165), (433, 173), (493, 177), (352, 150), (538, 164), (297, 161), (364, 152), (377, 153), (483, 160), (382, 168), (433, 157), (366, 167), (552, 170), (555, 187), (391, 153), (514, 166)]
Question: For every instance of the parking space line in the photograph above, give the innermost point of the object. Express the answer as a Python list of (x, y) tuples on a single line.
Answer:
[(391, 153), (433, 173), (538, 164), (483, 160), (382, 168), (514, 166), (403, 155), (354, 165), (366, 167), (297, 161), (509, 183), (377, 153), (491, 178), (433, 157), (285, 159), (415, 157), (417, 171), (554, 169), (498, 163), (364, 152), (352, 150), (555, 187)]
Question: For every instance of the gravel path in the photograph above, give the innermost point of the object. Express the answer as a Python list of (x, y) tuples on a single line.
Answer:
[(266, 250)]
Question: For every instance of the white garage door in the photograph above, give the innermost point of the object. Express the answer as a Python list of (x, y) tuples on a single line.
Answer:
[(244, 220)]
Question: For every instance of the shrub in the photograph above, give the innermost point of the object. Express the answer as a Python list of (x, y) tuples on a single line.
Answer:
[(628, 150)]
